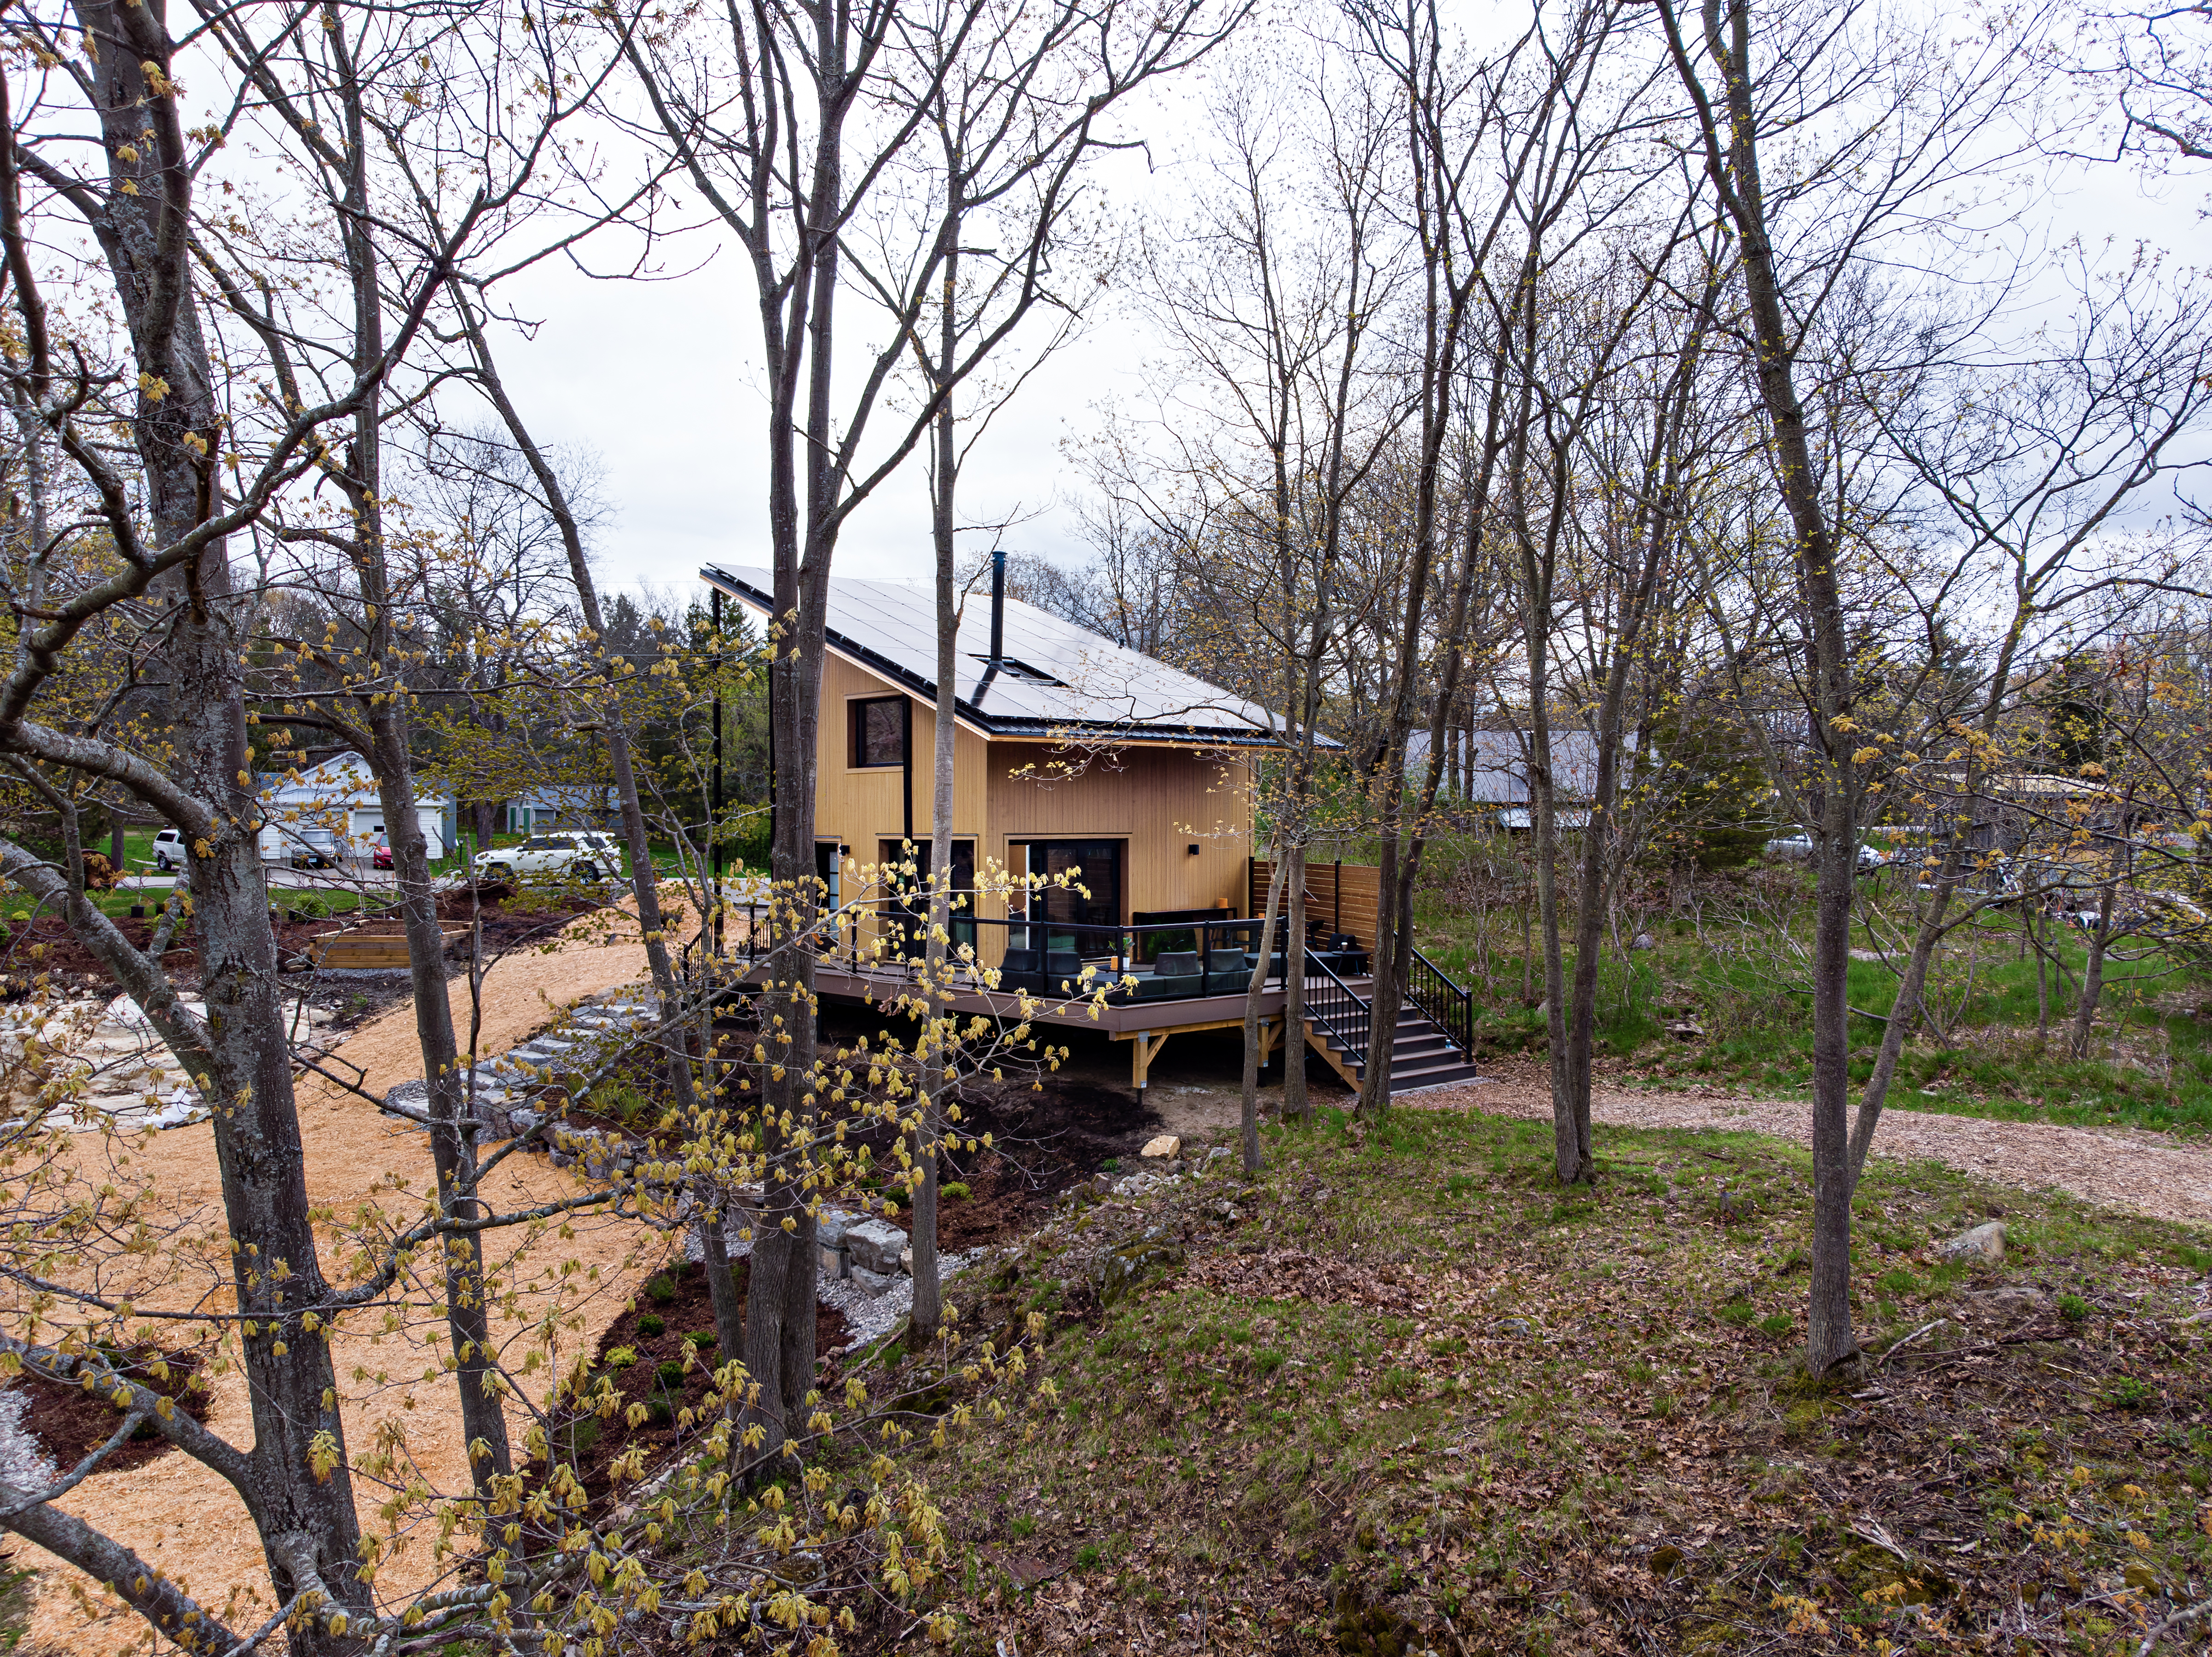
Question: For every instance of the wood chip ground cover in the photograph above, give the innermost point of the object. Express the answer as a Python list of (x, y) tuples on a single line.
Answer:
[(1583, 1427)]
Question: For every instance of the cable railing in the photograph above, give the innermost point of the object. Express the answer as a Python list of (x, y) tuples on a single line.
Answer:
[(1446, 1006)]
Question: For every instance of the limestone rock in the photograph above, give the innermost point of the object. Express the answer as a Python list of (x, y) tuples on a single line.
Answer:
[(874, 1284), (1984, 1242), (1165, 1145), (875, 1246)]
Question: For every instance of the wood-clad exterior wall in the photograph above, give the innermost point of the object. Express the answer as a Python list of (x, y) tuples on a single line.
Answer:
[(1160, 799), (1343, 896)]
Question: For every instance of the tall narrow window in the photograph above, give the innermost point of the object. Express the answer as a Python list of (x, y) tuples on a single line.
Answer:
[(879, 731)]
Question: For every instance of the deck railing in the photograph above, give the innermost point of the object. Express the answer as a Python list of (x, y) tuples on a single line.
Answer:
[(1337, 1010), (1447, 1006), (882, 934)]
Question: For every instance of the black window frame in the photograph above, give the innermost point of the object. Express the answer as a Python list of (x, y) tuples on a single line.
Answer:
[(856, 732)]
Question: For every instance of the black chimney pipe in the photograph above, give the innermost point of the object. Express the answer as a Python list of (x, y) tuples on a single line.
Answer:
[(998, 605)]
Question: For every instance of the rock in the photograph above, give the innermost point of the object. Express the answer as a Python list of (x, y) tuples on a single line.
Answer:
[(1216, 1154), (906, 1260), (1642, 941), (2011, 1302), (1165, 1145), (874, 1284), (1984, 1242), (833, 1264), (875, 1246), (1134, 1263), (831, 1225)]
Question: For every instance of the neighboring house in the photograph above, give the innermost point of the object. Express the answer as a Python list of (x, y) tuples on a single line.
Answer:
[(563, 805), (1070, 752), (1487, 771), (339, 794)]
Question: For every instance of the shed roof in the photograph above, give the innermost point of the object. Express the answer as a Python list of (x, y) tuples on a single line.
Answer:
[(1054, 679), (1498, 768)]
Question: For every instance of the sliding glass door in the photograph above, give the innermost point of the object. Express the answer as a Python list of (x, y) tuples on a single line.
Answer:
[(1090, 897)]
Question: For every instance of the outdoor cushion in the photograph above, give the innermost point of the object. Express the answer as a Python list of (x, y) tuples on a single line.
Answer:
[(1019, 971), (1169, 986), (1232, 971), (1176, 963), (1062, 965)]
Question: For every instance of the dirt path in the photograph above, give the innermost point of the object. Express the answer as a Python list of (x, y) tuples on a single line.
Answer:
[(2134, 1169), (184, 1519)]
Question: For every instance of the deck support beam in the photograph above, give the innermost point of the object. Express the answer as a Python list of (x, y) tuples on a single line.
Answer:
[(1144, 1045)]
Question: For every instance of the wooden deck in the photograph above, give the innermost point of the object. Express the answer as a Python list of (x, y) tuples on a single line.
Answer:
[(1145, 1025)]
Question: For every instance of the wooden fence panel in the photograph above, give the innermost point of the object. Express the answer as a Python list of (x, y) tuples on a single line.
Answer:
[(1342, 896)]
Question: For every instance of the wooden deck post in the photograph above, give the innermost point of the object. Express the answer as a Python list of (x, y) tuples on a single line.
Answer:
[(1144, 1048)]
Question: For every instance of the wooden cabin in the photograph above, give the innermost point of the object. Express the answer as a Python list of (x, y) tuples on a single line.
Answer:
[(1074, 756), (1069, 753)]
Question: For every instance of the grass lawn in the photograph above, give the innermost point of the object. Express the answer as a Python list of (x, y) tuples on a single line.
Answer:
[(1742, 978), (1403, 1394)]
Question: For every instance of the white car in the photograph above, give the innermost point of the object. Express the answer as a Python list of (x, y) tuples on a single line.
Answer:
[(168, 851), (1800, 848), (581, 855)]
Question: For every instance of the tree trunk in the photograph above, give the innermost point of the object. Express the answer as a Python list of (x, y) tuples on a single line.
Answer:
[(2093, 974), (1297, 1102), (276, 1270), (1252, 995), (1732, 160), (928, 1287)]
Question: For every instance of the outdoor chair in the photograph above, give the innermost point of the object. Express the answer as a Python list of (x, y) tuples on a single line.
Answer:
[(1063, 967), (1022, 969), (1176, 976), (1230, 974)]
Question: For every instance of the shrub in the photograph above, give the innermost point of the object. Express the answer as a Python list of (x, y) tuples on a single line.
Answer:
[(658, 1410), (660, 1290), (652, 1324), (700, 1340), (2073, 1307), (670, 1373), (953, 1191), (621, 1357), (2130, 1394)]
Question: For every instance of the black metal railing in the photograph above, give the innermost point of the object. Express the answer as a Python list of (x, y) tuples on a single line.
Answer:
[(1446, 1007), (1337, 1010), (1038, 954)]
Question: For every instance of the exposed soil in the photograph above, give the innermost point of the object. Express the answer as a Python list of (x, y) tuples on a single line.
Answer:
[(69, 1422), (679, 1297)]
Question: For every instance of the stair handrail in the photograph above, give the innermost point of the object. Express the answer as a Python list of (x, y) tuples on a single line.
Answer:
[(1339, 1009), (1447, 1006)]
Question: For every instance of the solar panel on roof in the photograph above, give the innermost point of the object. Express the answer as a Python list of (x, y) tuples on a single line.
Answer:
[(1052, 676)]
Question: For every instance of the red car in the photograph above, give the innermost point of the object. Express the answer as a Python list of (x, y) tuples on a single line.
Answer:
[(380, 856)]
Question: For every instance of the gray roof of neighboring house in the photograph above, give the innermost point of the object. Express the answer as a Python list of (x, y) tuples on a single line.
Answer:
[(1499, 772), (1054, 677), (344, 779)]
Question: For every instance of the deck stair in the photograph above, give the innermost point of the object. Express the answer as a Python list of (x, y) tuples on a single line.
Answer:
[(1421, 1055), (1424, 1050)]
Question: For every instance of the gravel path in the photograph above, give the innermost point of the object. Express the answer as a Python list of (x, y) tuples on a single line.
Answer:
[(2134, 1169)]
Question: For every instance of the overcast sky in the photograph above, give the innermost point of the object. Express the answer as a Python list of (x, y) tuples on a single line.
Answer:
[(661, 383)]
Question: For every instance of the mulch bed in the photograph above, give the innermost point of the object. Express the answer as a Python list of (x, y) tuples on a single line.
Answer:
[(69, 1422), (679, 1297), (45, 944)]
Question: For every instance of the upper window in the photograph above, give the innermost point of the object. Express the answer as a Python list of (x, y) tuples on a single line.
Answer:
[(879, 731)]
